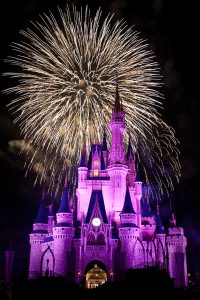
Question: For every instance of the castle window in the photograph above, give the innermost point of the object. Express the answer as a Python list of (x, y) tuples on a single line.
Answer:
[(96, 172), (101, 239), (96, 163)]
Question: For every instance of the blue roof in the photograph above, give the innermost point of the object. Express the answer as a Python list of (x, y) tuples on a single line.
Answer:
[(96, 196), (159, 225), (104, 143), (146, 211), (42, 216), (64, 204), (128, 207)]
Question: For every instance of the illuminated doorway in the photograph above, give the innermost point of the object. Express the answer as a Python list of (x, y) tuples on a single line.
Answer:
[(95, 276)]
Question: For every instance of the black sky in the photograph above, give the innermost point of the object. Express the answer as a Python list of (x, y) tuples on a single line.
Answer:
[(172, 30)]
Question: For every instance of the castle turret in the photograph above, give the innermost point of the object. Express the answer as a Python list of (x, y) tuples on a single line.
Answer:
[(128, 231), (104, 149), (130, 159), (138, 196), (117, 169), (160, 239), (82, 169), (172, 220), (96, 162), (51, 219), (117, 127), (148, 224), (40, 231), (177, 263), (63, 233)]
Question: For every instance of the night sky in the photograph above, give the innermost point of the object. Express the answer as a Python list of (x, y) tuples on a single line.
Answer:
[(172, 31)]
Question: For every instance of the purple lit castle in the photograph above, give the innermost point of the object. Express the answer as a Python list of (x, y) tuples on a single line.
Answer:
[(113, 228)]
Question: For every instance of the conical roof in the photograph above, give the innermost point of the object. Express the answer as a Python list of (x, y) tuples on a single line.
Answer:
[(42, 216), (128, 207), (64, 204)]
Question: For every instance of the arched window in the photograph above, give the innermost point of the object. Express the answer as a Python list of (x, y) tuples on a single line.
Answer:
[(101, 239), (91, 239)]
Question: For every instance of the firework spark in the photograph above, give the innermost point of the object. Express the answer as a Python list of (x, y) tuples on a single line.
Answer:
[(66, 76)]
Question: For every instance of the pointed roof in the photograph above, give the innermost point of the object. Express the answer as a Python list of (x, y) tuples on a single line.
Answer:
[(173, 215), (42, 216), (96, 196), (83, 159), (129, 150), (104, 143), (159, 226), (146, 210), (118, 105), (138, 177), (51, 211), (92, 152), (128, 207), (64, 204)]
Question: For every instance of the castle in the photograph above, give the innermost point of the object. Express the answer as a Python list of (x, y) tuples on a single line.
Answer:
[(113, 228)]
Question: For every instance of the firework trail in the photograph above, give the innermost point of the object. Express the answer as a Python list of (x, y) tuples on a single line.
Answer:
[(66, 71)]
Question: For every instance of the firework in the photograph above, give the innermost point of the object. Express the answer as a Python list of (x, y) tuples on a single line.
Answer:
[(66, 74)]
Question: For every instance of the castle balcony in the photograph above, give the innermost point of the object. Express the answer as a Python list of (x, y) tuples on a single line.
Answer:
[(95, 248)]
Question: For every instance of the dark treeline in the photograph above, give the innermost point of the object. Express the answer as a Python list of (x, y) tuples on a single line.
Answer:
[(144, 283)]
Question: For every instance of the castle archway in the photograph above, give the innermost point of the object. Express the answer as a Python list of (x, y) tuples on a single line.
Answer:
[(95, 273)]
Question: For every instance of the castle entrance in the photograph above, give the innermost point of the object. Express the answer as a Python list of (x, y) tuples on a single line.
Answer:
[(95, 274)]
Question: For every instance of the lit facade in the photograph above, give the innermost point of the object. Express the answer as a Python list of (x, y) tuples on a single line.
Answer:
[(112, 227)]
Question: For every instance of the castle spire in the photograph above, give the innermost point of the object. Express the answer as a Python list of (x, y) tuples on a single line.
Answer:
[(42, 216), (159, 225), (104, 143), (173, 216), (129, 150), (128, 207), (118, 104), (64, 204), (117, 127), (83, 159)]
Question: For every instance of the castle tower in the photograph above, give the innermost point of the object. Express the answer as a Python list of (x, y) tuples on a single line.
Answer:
[(117, 127), (96, 162), (40, 231), (82, 191), (112, 228), (148, 224), (177, 263), (128, 231), (160, 239), (105, 150), (117, 169), (63, 233), (51, 219), (130, 159)]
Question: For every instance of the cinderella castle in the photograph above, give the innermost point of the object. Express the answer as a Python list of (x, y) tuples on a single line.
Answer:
[(112, 228)]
